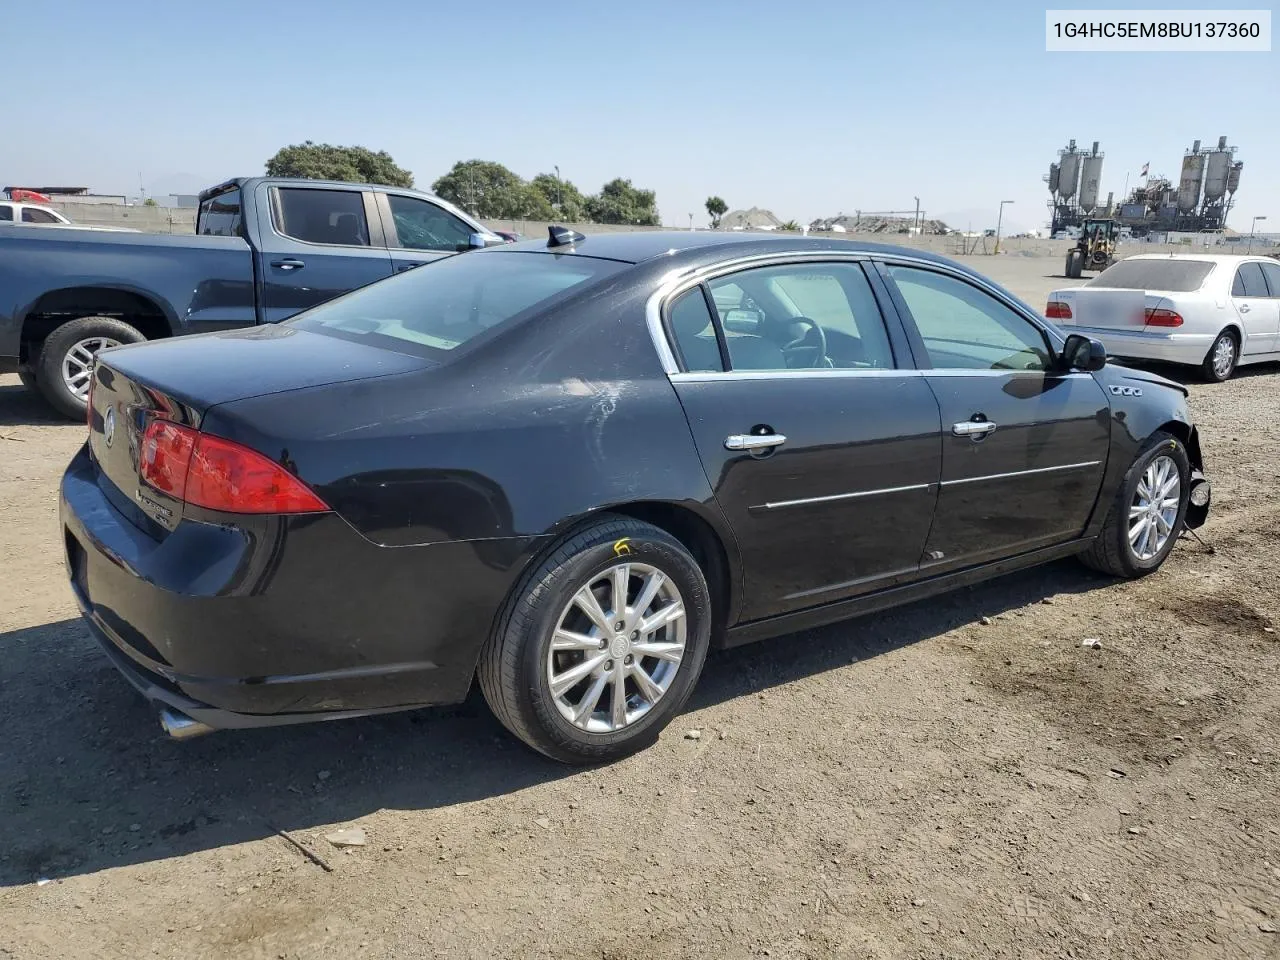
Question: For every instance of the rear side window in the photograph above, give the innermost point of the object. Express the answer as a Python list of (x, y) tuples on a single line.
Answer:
[(694, 332), (6, 213), (1272, 272), (220, 216), (31, 215), (439, 306), (1176, 276), (1249, 282), (334, 217)]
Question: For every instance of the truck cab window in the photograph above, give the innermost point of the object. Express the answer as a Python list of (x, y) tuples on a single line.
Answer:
[(421, 225), (334, 217), (30, 215), (220, 216), (6, 213)]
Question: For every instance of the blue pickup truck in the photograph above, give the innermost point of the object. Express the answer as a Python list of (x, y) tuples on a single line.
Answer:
[(264, 248)]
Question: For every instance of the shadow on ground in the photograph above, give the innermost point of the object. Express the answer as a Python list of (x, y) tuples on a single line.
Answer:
[(20, 406), (91, 783)]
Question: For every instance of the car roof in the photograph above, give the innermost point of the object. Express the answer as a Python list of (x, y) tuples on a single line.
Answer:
[(1212, 257), (639, 246)]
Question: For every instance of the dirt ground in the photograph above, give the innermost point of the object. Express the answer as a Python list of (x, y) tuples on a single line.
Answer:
[(957, 778)]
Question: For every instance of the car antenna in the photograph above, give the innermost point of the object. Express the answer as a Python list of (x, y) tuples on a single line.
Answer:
[(563, 236)]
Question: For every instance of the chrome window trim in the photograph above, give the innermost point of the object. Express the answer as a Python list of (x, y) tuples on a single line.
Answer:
[(679, 281), (715, 376), (780, 504), (1022, 473)]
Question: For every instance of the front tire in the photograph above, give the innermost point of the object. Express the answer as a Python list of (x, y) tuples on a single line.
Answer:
[(63, 368), (1220, 362), (1148, 513), (598, 649)]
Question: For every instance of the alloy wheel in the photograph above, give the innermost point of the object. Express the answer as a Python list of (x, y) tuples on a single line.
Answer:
[(617, 647), (1154, 509), (1224, 356), (77, 364)]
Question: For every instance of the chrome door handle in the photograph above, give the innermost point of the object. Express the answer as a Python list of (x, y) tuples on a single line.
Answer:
[(972, 428), (750, 441), (1243, 308), (289, 263)]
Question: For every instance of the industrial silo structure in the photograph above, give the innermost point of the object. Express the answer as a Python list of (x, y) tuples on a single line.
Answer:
[(1217, 172), (1233, 178), (1068, 172), (1053, 179), (1189, 183), (1090, 179)]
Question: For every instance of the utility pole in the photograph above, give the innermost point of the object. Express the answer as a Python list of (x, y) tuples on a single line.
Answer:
[(559, 191), (1252, 227), (999, 221), (916, 222)]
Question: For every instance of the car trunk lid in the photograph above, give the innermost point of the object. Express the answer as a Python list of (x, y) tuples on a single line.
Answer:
[(1102, 308), (181, 379)]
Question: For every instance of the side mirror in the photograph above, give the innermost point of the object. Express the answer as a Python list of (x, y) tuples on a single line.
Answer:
[(477, 241), (1082, 353)]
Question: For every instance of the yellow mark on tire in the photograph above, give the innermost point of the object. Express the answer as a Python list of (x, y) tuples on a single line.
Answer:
[(622, 548)]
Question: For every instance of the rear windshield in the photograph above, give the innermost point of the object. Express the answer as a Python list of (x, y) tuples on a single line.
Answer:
[(440, 306), (1179, 276)]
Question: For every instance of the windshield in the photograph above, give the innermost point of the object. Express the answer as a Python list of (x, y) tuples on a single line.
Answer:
[(442, 305), (1178, 276)]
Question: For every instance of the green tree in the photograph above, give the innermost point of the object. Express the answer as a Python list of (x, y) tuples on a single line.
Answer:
[(566, 200), (619, 202), (488, 190), (150, 202), (789, 225), (324, 161), (717, 208)]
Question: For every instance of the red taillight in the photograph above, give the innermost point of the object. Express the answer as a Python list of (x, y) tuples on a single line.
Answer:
[(219, 475), (1057, 310), (1163, 318)]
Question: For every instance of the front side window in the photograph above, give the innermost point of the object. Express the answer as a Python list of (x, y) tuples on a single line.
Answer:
[(440, 306), (801, 316), (421, 225), (6, 213), (334, 217), (220, 216), (964, 328), (32, 215), (1249, 281), (1272, 272)]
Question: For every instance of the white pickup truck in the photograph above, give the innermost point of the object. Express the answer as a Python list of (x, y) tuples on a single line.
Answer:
[(13, 212)]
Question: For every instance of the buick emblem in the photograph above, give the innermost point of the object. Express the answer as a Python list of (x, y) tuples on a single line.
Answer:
[(109, 426)]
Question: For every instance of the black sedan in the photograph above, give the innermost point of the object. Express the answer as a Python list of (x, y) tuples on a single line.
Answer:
[(567, 468)]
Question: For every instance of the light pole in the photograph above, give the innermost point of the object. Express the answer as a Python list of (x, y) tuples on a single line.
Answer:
[(999, 221), (916, 223), (1252, 226), (559, 192)]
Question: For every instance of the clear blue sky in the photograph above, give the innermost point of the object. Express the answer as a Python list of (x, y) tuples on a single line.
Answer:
[(808, 108)]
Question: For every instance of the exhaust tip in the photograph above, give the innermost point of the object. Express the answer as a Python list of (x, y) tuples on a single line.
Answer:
[(181, 727)]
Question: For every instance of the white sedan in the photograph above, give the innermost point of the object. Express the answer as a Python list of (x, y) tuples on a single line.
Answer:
[(1212, 312)]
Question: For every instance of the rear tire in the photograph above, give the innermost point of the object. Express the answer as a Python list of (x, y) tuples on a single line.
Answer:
[(1220, 362), (59, 368), (1075, 260), (522, 677), (1115, 551)]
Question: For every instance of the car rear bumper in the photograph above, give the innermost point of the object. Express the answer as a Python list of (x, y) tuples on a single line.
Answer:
[(277, 620), (1186, 348)]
